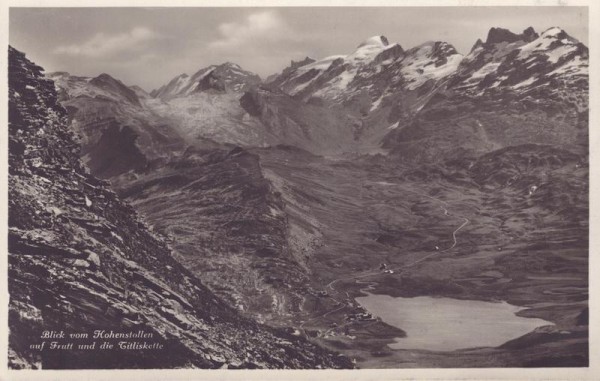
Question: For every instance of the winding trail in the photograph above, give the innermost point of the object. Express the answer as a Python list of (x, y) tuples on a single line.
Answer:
[(370, 273)]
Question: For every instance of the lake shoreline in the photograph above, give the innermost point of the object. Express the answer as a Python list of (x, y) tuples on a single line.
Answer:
[(446, 324)]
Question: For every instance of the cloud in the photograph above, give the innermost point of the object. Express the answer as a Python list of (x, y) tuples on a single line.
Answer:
[(262, 41), (256, 28), (103, 45)]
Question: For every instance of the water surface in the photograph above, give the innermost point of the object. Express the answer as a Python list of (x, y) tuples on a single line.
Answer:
[(445, 324)]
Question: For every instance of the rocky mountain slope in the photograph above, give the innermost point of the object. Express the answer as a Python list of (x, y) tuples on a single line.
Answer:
[(80, 260)]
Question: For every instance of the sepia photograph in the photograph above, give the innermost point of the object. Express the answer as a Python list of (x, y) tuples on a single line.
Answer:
[(298, 187)]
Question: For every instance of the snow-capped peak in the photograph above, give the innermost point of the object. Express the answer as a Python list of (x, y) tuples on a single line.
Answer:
[(430, 60), (231, 64), (553, 32), (520, 63), (339, 77), (227, 76), (380, 41), (554, 42), (368, 50), (298, 78), (321, 64)]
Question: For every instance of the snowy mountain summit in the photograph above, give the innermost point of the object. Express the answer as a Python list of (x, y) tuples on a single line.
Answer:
[(380, 41), (518, 63), (376, 69), (227, 77)]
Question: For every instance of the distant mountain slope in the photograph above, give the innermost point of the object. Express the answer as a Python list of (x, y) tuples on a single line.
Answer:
[(80, 259), (433, 96), (513, 89), (118, 132), (383, 98)]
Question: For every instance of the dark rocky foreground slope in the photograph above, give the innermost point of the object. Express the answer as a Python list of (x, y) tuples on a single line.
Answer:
[(81, 260)]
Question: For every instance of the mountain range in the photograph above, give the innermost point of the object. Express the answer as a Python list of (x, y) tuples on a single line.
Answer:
[(284, 196)]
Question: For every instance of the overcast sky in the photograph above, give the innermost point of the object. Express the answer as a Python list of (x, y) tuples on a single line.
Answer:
[(149, 46)]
